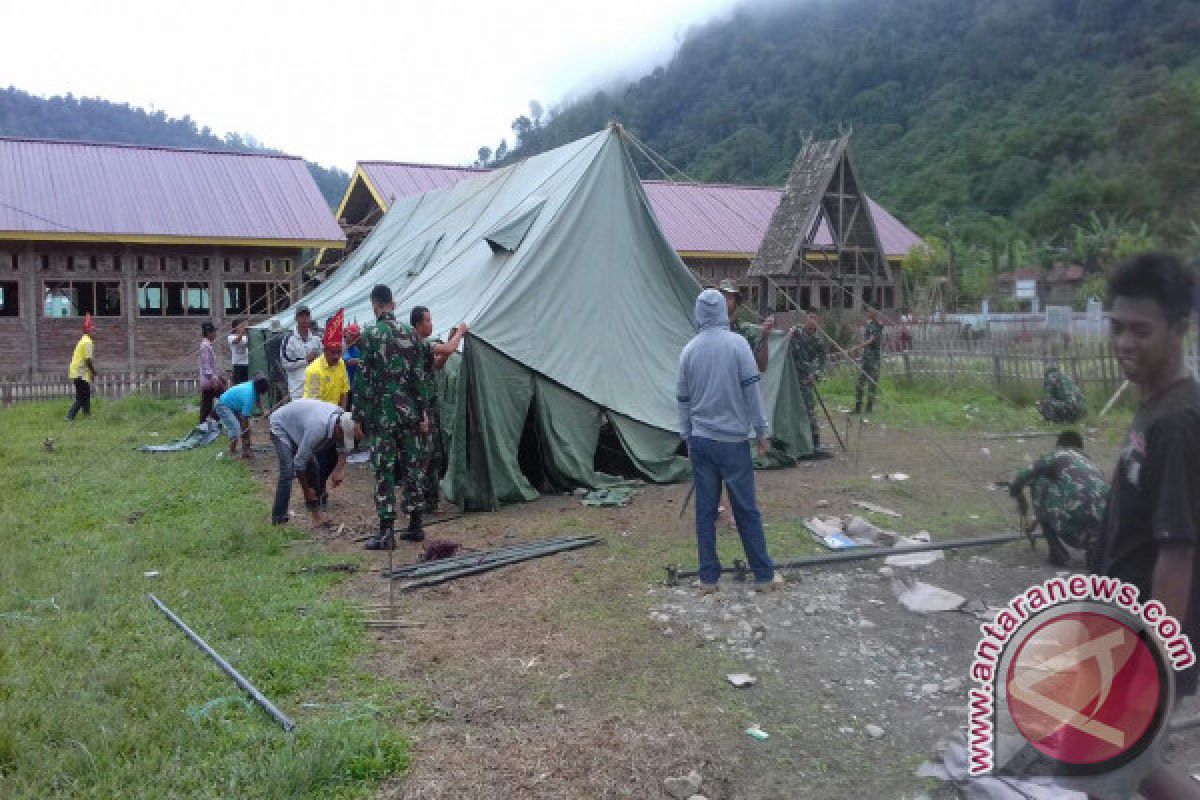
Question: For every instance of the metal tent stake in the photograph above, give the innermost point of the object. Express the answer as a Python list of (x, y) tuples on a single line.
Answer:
[(225, 666)]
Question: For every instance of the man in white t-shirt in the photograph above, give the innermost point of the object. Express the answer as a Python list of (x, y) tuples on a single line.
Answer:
[(300, 349), (239, 352)]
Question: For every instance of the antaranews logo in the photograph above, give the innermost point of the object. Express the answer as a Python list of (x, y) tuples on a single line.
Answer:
[(1075, 677)]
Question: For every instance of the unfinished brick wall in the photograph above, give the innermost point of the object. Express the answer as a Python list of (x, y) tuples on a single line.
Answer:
[(109, 276)]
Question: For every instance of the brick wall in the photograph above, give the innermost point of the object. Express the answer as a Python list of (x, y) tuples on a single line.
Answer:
[(129, 339)]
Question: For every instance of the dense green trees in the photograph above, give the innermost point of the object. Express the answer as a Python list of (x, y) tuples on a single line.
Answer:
[(92, 119), (1005, 125)]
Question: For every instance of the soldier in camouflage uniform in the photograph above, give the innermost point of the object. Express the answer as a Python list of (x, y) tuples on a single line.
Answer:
[(808, 351), (1063, 401), (434, 353), (754, 334), (390, 393), (872, 352), (1069, 498)]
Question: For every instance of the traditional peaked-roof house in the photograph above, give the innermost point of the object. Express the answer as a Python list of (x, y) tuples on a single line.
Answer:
[(797, 267), (151, 241), (715, 228)]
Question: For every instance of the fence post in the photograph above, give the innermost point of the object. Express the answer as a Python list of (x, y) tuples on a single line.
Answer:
[(997, 374), (907, 367)]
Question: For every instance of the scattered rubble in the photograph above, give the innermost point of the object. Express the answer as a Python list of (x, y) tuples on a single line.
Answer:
[(924, 598)]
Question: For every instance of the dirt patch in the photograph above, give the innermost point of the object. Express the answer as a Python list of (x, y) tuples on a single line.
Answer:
[(581, 675)]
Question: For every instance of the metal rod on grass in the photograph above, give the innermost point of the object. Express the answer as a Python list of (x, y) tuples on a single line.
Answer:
[(227, 668), (472, 559), (1112, 400), (434, 580)]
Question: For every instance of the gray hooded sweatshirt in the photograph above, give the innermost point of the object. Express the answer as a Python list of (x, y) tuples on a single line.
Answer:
[(717, 390)]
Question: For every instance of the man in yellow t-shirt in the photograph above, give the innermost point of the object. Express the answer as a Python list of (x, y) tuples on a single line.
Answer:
[(83, 370), (326, 377)]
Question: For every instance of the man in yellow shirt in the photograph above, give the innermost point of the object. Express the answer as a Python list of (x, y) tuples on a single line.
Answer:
[(326, 377), (83, 370)]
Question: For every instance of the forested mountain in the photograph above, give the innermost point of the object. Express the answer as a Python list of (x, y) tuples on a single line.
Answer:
[(91, 119), (1020, 128)]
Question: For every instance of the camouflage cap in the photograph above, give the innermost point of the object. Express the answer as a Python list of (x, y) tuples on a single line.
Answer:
[(727, 286)]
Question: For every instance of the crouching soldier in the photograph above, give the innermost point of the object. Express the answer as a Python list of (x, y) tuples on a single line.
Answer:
[(1069, 497), (1063, 401)]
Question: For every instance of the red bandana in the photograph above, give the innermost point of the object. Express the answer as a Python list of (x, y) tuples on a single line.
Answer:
[(333, 331)]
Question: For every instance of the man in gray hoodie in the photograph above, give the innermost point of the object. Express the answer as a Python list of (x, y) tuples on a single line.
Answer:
[(719, 404)]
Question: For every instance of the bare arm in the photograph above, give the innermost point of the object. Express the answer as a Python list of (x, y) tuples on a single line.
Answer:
[(1173, 577), (445, 349)]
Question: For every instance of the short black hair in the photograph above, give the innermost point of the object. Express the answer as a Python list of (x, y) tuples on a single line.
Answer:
[(381, 295), (207, 327), (417, 315), (261, 384), (1160, 277), (1070, 439)]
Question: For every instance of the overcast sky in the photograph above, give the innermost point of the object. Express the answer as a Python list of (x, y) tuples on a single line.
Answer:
[(340, 82)]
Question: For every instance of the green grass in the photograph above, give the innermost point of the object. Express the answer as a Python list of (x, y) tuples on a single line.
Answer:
[(967, 406), (99, 695)]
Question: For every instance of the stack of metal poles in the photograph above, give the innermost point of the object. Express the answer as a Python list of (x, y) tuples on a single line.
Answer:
[(432, 573)]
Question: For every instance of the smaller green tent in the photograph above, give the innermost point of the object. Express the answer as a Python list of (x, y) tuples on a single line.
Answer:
[(578, 310)]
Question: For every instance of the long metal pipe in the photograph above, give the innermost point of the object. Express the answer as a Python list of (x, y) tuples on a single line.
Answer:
[(865, 553), (434, 580), (469, 559), (227, 668), (499, 556)]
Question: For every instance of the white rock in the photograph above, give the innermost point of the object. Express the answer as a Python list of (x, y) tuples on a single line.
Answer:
[(874, 731), (683, 787)]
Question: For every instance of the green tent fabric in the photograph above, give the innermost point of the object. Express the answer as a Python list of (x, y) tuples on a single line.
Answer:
[(578, 309)]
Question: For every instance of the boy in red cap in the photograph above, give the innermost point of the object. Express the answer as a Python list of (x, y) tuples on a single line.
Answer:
[(83, 370), (326, 378)]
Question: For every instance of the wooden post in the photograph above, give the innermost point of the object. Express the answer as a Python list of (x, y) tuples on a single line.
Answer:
[(907, 366)]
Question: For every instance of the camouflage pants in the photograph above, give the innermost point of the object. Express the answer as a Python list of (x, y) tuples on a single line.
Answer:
[(433, 458), (1064, 520), (396, 457), (869, 369), (808, 392), (1060, 411)]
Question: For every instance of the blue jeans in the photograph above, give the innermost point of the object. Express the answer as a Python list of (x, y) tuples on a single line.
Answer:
[(715, 462), (317, 470), (229, 420)]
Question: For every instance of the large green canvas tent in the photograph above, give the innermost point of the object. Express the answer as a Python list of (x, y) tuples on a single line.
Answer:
[(578, 309)]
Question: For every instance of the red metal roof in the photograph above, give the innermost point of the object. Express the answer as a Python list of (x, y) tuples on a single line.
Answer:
[(1065, 273), (392, 179), (696, 217), (88, 189)]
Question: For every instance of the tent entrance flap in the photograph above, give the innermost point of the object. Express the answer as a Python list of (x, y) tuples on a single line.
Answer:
[(513, 433)]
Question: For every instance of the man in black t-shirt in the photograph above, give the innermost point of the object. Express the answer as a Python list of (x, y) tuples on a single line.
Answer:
[(1152, 526)]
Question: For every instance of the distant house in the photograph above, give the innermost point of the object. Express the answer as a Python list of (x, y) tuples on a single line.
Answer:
[(715, 228), (1057, 286), (151, 241)]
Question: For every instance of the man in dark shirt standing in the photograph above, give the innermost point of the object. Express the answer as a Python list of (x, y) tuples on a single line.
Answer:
[(1152, 526)]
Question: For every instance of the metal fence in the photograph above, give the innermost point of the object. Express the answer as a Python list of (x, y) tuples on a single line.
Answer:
[(24, 388)]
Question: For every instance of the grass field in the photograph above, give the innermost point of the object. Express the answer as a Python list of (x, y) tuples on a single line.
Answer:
[(99, 695)]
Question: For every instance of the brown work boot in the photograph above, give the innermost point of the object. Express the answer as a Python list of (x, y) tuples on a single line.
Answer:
[(776, 582)]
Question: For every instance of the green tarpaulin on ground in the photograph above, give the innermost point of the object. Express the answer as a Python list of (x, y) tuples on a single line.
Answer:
[(578, 309)]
